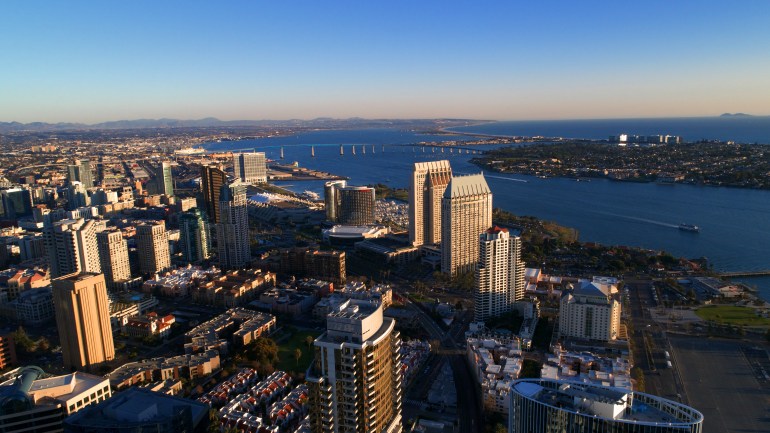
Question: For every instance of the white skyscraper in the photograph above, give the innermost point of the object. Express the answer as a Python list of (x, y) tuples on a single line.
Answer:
[(233, 227), (499, 274), (152, 242), (250, 167), (429, 181), (71, 247), (466, 212)]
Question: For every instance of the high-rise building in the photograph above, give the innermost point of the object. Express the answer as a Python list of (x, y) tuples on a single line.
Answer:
[(80, 171), (356, 205), (16, 203), (250, 167), (212, 180), (590, 312), (77, 195), (113, 256), (194, 236), (83, 320), (549, 405), (499, 274), (152, 242), (332, 198), (466, 212), (426, 188), (233, 227), (71, 247), (355, 378), (162, 180)]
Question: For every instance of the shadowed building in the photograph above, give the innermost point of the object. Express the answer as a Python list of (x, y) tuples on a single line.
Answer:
[(212, 180)]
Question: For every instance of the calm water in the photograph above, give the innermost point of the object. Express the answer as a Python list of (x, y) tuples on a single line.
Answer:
[(735, 227), (739, 129)]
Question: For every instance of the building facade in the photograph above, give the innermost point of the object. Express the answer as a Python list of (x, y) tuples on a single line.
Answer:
[(466, 212), (83, 320), (71, 247), (355, 379), (356, 205), (152, 242), (590, 312), (80, 171), (551, 406), (499, 274), (113, 256), (212, 180), (250, 167), (233, 227), (426, 188), (332, 198), (194, 239)]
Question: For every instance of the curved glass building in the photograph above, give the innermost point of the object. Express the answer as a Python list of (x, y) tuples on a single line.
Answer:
[(550, 406)]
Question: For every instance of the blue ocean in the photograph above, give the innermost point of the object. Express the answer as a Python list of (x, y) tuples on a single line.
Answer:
[(748, 129)]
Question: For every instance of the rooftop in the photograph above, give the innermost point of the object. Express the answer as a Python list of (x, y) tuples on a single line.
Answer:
[(472, 184)]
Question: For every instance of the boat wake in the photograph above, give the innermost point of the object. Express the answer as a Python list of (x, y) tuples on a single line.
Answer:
[(644, 220)]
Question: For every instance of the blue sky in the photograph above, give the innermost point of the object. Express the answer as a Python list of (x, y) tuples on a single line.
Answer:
[(91, 61)]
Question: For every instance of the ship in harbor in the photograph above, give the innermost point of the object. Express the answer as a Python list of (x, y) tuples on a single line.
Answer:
[(689, 228)]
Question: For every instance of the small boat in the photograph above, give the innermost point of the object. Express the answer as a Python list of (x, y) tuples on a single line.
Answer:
[(689, 228)]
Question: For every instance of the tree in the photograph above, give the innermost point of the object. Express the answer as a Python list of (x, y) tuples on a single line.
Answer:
[(297, 355), (23, 341), (43, 345), (309, 340), (638, 375)]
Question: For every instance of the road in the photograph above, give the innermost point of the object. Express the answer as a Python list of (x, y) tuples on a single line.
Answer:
[(468, 403)]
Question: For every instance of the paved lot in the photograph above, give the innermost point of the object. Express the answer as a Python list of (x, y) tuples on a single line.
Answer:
[(724, 380)]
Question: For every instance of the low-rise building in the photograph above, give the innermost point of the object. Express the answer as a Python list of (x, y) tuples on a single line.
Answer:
[(588, 368), (246, 324), (495, 366), (147, 325), (179, 282), (34, 306), (189, 366), (234, 289)]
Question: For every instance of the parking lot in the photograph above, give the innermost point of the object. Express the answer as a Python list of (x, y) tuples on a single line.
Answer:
[(723, 379)]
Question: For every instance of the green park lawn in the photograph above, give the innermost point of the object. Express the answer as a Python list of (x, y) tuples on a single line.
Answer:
[(286, 360), (732, 315)]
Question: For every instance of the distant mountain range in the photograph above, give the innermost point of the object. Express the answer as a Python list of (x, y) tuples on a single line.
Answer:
[(321, 122), (735, 115)]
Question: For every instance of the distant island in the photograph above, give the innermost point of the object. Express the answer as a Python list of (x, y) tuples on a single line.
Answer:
[(735, 115), (702, 163)]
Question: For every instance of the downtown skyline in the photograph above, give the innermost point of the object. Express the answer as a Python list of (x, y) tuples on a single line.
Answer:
[(79, 62)]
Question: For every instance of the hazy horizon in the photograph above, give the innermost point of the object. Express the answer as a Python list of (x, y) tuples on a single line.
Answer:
[(82, 62)]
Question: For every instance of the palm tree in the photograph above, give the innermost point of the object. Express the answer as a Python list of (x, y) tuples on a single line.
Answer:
[(297, 355)]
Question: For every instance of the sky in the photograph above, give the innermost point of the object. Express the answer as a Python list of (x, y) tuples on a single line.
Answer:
[(94, 61)]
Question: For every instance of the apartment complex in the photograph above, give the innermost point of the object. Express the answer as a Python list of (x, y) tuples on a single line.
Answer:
[(113, 256), (355, 378), (326, 265), (71, 246), (426, 188), (466, 212), (152, 242), (83, 320), (499, 274)]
